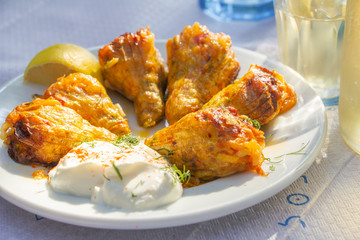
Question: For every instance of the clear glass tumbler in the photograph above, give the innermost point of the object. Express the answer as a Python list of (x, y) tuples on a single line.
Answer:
[(349, 102), (310, 35), (229, 10)]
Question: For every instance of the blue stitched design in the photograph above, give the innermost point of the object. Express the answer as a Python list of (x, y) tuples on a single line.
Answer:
[(305, 178), (289, 218), (298, 199), (38, 218)]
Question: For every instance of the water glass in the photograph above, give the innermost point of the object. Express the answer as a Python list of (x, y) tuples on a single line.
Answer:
[(349, 102), (310, 35), (228, 10)]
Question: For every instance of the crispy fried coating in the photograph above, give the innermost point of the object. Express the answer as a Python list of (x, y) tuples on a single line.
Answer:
[(259, 94), (85, 94), (200, 63), (133, 66), (211, 143), (42, 131)]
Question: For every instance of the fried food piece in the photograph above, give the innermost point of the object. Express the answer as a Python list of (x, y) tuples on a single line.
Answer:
[(200, 63), (259, 94), (85, 94), (211, 143), (42, 131), (133, 66)]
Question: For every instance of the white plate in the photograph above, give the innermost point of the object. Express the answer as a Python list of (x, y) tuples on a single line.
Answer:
[(305, 123)]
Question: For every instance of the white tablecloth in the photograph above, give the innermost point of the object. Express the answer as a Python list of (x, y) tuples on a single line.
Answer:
[(328, 192)]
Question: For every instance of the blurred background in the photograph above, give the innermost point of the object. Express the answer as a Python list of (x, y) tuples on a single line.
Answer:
[(26, 27)]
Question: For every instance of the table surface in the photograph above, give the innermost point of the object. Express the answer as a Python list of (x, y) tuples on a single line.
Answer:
[(330, 184)]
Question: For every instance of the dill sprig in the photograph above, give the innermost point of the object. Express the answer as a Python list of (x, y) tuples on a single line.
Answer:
[(254, 122), (183, 176), (298, 152), (106, 177), (117, 171), (268, 137), (168, 153)]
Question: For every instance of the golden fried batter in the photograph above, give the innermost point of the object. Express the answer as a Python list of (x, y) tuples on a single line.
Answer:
[(200, 63), (42, 131), (85, 94), (259, 94), (133, 66), (211, 143)]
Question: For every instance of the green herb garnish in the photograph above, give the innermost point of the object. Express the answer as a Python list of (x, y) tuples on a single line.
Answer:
[(183, 176), (298, 152), (128, 140), (106, 178), (269, 160), (117, 171), (133, 195), (168, 153), (269, 136), (79, 143), (255, 123), (139, 184)]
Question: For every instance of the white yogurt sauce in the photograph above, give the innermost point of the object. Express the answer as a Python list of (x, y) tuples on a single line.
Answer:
[(134, 177)]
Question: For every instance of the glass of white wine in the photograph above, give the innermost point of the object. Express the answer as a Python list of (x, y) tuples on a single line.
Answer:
[(349, 102), (310, 36)]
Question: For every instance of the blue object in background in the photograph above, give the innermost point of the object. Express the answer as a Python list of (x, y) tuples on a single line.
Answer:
[(229, 10)]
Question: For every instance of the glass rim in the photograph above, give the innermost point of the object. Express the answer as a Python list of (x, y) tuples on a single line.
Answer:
[(286, 11)]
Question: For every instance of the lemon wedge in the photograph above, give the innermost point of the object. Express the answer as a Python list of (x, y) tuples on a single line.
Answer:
[(59, 60)]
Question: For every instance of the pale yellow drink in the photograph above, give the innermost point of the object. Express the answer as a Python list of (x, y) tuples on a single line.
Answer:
[(349, 105), (310, 34)]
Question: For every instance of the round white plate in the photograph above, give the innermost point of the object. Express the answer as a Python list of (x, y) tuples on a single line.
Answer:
[(304, 124)]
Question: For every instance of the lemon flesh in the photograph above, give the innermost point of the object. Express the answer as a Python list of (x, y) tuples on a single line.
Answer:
[(59, 60)]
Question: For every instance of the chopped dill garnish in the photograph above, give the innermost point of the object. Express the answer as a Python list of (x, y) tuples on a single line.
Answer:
[(269, 160), (83, 141), (255, 123), (139, 183), (128, 139), (133, 195), (106, 178), (207, 120), (269, 136), (168, 153), (298, 152), (117, 171), (183, 176)]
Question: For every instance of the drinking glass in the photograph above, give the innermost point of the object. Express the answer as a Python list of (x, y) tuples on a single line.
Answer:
[(349, 102), (228, 10), (310, 36)]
